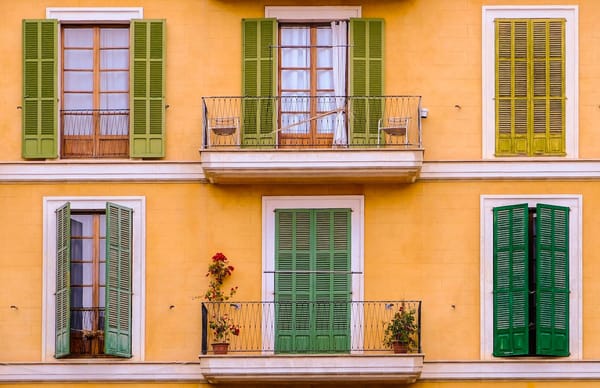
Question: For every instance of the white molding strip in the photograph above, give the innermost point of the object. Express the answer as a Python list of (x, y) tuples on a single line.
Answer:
[(100, 171), (79, 14), (306, 13)]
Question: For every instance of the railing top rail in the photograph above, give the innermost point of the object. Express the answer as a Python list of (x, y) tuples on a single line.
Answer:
[(317, 96)]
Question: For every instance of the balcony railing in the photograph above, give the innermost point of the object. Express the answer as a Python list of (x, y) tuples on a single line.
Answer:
[(295, 121), (318, 327)]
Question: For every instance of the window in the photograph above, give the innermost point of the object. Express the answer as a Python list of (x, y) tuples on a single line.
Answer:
[(305, 65), (93, 277), (109, 107), (531, 276), (530, 81)]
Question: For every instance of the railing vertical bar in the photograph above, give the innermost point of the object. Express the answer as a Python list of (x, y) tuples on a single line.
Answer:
[(204, 329), (419, 327)]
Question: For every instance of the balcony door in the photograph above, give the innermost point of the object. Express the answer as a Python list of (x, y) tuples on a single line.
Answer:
[(312, 280), (306, 85)]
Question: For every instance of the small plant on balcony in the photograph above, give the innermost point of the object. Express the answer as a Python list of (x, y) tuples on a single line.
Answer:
[(400, 331), (223, 327)]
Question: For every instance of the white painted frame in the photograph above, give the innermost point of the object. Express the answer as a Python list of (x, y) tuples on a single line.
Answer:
[(312, 13), (94, 14), (138, 280), (269, 205), (574, 202), (568, 12)]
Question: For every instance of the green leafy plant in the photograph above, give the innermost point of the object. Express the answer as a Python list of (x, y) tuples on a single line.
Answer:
[(221, 325), (401, 328)]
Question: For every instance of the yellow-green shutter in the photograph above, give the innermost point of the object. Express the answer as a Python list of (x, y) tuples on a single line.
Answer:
[(259, 66), (63, 282), (530, 87), (40, 89), (117, 323), (365, 79), (147, 90)]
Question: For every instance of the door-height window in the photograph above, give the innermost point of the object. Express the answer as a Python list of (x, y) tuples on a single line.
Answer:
[(312, 280), (95, 95), (306, 85)]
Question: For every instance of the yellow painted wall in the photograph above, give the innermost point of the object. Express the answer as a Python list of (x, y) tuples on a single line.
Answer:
[(433, 49)]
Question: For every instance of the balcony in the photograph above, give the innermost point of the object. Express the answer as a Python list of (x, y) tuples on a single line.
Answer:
[(311, 139), (309, 342)]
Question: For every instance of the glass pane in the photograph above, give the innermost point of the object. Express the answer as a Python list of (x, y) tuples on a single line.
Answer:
[(324, 36), (295, 79), (295, 102), (78, 37), (295, 57), (295, 36), (114, 81), (81, 249), (102, 275), (114, 37), (102, 297), (82, 81), (76, 123), (288, 122), (114, 59), (102, 226), (114, 101), (326, 125), (325, 79), (78, 101), (114, 123), (79, 59), (82, 273), (325, 103), (102, 249), (81, 296), (324, 57), (81, 225)]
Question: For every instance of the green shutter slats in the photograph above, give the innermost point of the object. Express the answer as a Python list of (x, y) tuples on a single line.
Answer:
[(259, 66), (40, 89), (552, 280), (312, 281), (530, 87), (511, 280), (117, 325), (147, 90), (366, 78), (63, 281)]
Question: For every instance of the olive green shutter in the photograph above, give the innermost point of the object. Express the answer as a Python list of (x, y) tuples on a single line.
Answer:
[(63, 281), (511, 280), (40, 90), (147, 90), (312, 281), (552, 281), (117, 323), (259, 66), (530, 87), (366, 79)]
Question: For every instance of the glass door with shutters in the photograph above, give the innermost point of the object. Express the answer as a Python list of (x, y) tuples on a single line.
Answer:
[(306, 85), (312, 281)]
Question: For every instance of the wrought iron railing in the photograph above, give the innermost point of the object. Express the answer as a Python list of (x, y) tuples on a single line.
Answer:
[(312, 121), (325, 327)]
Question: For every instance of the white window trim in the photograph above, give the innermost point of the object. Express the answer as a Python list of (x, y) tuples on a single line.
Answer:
[(570, 13), (574, 203), (269, 205), (94, 14), (50, 204), (312, 13)]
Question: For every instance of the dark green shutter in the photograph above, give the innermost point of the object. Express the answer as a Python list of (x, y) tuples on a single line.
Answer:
[(312, 282), (511, 280), (530, 87), (40, 90), (366, 79), (259, 66), (552, 280), (147, 122), (117, 323), (63, 281)]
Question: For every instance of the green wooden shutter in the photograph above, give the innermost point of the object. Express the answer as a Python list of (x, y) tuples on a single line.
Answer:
[(259, 66), (366, 79), (552, 280), (117, 323), (40, 95), (511, 280), (530, 87), (147, 90), (63, 281)]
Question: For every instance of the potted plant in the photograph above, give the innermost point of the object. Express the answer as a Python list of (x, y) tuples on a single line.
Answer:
[(221, 325), (400, 331)]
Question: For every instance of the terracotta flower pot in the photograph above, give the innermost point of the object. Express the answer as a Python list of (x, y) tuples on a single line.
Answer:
[(400, 347), (220, 348)]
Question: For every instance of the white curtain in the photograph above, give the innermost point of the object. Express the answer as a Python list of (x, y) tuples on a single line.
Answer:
[(339, 41)]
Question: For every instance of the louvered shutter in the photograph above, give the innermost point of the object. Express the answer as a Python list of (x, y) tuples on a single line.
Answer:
[(259, 64), (117, 323), (530, 87), (40, 90), (63, 281), (366, 79), (552, 280), (511, 280), (147, 89)]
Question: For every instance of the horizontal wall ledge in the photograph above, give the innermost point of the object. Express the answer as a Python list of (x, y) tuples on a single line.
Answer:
[(94, 170)]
